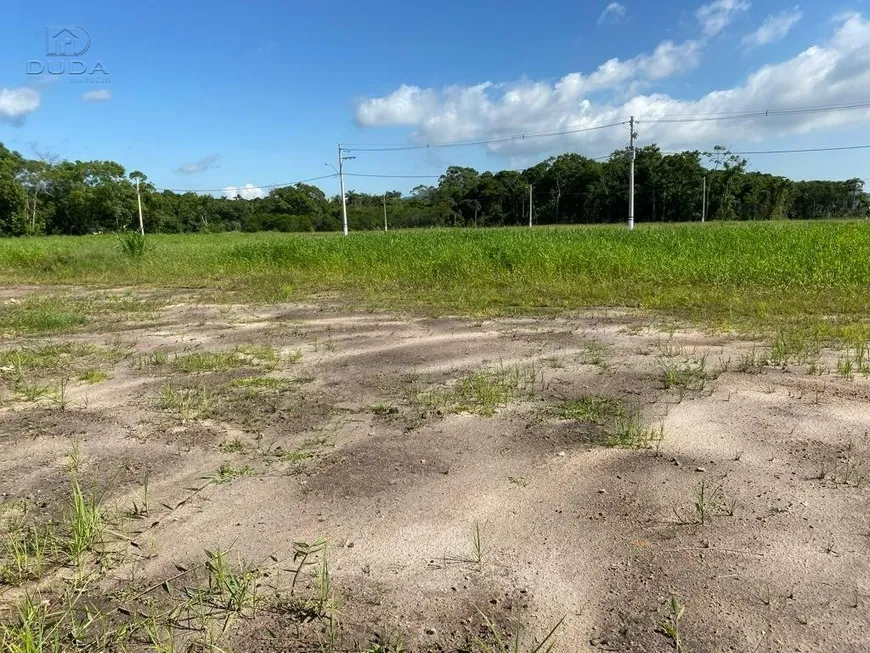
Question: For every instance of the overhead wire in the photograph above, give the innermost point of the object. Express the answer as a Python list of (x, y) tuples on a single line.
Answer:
[(663, 118), (246, 187), (488, 141)]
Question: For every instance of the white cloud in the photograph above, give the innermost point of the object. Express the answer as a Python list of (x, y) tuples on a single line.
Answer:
[(613, 13), (202, 165), (774, 28), (17, 103), (462, 112), (717, 15), (836, 72), (247, 192), (101, 95)]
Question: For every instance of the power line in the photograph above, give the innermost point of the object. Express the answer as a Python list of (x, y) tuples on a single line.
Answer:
[(249, 187), (502, 139), (360, 174), (757, 112), (765, 113), (665, 118), (809, 149)]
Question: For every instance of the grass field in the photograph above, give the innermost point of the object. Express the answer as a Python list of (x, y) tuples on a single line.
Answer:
[(758, 273)]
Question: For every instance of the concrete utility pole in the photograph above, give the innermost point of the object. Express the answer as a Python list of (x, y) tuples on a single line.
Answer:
[(631, 180), (704, 201), (341, 187), (531, 201), (139, 200), (385, 212)]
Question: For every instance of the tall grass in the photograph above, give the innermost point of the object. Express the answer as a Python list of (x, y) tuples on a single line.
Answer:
[(722, 271)]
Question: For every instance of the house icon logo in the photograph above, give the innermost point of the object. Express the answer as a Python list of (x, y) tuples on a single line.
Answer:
[(66, 41)]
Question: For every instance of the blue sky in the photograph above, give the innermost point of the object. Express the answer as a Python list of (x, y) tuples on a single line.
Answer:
[(217, 94)]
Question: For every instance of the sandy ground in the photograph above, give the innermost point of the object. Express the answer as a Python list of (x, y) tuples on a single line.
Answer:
[(601, 536)]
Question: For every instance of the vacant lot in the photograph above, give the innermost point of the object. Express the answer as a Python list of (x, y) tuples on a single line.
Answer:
[(183, 475)]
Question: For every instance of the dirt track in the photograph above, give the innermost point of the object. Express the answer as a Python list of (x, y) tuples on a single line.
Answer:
[(347, 450)]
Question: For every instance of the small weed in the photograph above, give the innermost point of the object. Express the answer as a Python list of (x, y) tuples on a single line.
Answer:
[(793, 345), (621, 424), (594, 354), (263, 383), (671, 627), (703, 503), (157, 358), (707, 503), (25, 551), (93, 376), (232, 446), (691, 375), (752, 362), (499, 642), (386, 643), (84, 520), (227, 473), (482, 392), (140, 509), (303, 552), (478, 549), (630, 432), (207, 361), (37, 629), (189, 403), (262, 356), (228, 589), (844, 366), (592, 408), (855, 360), (33, 392), (61, 393), (669, 348), (556, 362), (133, 244), (382, 409), (319, 604), (219, 361)]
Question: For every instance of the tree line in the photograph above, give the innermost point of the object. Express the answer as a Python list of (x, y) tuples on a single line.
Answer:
[(49, 196)]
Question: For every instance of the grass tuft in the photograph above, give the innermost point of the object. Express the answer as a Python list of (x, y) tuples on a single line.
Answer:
[(482, 392)]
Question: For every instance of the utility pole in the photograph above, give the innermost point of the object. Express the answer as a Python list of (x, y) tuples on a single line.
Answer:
[(341, 160), (631, 177), (531, 201), (704, 201), (385, 212), (139, 200)]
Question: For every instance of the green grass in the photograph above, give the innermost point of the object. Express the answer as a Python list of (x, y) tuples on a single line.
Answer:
[(48, 314), (621, 425), (84, 520), (227, 473), (207, 361), (592, 408), (264, 383), (220, 361), (730, 274), (198, 402), (93, 376), (481, 392), (688, 375)]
